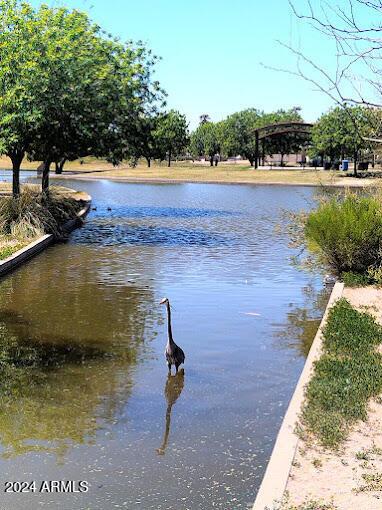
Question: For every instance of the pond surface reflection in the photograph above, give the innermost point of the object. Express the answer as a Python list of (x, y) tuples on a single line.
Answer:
[(84, 391)]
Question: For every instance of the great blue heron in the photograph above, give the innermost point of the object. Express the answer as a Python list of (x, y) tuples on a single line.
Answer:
[(172, 391), (174, 354)]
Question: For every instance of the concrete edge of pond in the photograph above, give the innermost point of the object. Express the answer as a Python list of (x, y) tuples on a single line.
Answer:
[(19, 257), (276, 476)]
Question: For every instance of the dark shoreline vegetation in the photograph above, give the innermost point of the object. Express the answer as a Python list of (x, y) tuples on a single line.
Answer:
[(32, 214), (346, 376)]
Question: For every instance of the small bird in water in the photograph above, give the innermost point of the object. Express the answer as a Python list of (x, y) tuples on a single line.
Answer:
[(109, 208), (94, 208), (173, 353)]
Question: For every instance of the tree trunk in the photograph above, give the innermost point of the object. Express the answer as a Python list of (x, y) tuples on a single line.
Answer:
[(60, 166), (169, 158), (250, 161), (216, 162), (211, 161), (148, 162), (45, 176), (256, 158), (16, 159), (355, 163), (282, 160)]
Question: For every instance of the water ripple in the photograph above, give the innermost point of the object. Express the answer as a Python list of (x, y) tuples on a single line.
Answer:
[(169, 212), (109, 234)]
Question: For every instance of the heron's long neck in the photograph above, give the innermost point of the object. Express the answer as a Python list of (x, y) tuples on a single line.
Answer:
[(169, 330)]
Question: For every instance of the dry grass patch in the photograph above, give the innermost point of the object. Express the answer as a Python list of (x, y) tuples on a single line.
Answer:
[(26, 218), (187, 171), (308, 504)]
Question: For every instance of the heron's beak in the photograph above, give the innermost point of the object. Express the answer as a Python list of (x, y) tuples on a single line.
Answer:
[(163, 301)]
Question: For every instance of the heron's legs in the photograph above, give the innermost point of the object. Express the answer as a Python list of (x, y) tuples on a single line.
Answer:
[(176, 367), (169, 368)]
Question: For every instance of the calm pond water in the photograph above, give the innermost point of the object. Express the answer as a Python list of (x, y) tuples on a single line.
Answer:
[(92, 400)]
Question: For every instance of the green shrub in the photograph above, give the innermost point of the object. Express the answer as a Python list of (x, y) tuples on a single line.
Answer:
[(375, 275), (347, 233), (351, 279), (345, 377)]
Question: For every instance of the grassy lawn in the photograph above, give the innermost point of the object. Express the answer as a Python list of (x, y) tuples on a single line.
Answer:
[(198, 172)]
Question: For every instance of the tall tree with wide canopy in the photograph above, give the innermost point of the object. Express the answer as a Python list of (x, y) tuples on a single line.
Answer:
[(67, 90), (206, 140), (20, 50), (238, 133), (171, 133), (142, 141), (338, 134), (95, 87)]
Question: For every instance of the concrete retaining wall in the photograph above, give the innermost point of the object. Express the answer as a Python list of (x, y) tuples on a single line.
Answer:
[(277, 473), (26, 253)]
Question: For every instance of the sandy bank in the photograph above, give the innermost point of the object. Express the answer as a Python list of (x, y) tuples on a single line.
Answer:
[(348, 478)]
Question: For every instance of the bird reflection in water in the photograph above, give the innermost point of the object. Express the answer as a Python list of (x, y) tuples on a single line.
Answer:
[(172, 390)]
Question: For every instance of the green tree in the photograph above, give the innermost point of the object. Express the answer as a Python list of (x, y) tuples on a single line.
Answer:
[(342, 132), (286, 143), (142, 142), (137, 114), (94, 88), (20, 111), (206, 140), (67, 90), (238, 133), (171, 134)]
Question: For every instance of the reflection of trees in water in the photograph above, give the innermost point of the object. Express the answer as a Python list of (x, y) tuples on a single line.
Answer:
[(49, 410), (66, 357), (64, 307), (303, 321)]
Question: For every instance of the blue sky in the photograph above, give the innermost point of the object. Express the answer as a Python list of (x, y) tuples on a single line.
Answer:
[(212, 51)]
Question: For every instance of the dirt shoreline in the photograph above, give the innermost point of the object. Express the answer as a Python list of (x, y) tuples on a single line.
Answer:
[(352, 477), (340, 183)]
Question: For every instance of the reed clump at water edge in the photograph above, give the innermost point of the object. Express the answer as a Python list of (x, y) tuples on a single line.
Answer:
[(25, 218)]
